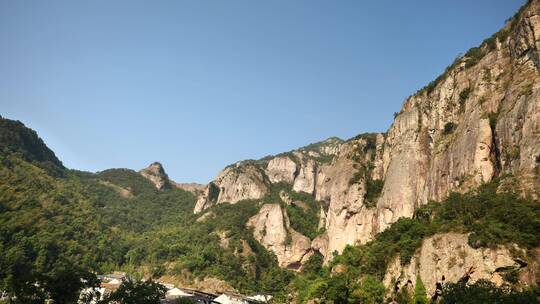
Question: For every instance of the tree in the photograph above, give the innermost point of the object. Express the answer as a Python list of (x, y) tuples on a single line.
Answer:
[(420, 296), (370, 291), (338, 290), (483, 291), (137, 292), (33, 271), (65, 281)]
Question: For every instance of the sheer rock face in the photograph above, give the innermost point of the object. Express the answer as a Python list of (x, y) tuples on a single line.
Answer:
[(271, 227), (305, 181), (450, 256), (156, 174), (252, 179), (494, 107), (347, 219), (476, 122), (238, 182), (281, 169)]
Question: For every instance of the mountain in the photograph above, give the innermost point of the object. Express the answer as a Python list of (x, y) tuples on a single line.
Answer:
[(156, 174), (477, 123), (16, 138), (116, 219), (449, 193)]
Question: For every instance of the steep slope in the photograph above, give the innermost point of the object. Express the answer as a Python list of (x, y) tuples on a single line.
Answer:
[(16, 138), (252, 179), (477, 121)]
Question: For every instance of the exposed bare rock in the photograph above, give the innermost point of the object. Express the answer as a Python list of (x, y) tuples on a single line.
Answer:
[(224, 239), (281, 169), (123, 192), (329, 146), (378, 161), (272, 229), (241, 182), (156, 174), (194, 188), (449, 256), (251, 179), (305, 181), (347, 219), (320, 243), (207, 198), (529, 275), (235, 183), (478, 121), (206, 216)]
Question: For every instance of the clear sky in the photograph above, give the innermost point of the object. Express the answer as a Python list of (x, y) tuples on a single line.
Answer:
[(200, 84)]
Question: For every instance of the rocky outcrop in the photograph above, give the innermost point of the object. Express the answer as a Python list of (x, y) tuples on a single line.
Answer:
[(194, 188), (271, 227), (447, 258), (475, 122), (341, 186), (123, 192), (478, 121), (252, 179), (156, 174), (305, 181), (240, 181), (281, 169)]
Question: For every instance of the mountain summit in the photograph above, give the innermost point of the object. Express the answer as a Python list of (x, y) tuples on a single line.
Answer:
[(156, 174)]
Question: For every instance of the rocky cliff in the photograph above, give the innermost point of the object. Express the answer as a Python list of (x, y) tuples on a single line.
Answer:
[(271, 227), (479, 120), (448, 258)]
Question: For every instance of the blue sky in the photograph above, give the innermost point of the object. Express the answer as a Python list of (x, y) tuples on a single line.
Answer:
[(198, 85)]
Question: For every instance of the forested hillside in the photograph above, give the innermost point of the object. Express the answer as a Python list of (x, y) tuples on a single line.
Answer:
[(113, 220)]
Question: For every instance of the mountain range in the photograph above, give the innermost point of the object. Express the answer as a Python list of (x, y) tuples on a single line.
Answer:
[(449, 191)]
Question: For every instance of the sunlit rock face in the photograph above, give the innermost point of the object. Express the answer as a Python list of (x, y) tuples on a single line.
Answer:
[(446, 258), (271, 227), (234, 183), (281, 169), (478, 121), (156, 174)]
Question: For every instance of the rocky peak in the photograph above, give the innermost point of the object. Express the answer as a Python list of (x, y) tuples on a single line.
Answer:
[(156, 174)]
